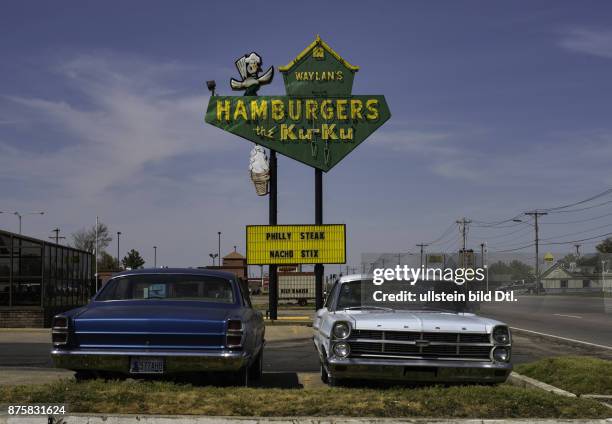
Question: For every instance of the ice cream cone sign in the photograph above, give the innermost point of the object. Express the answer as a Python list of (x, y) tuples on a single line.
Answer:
[(259, 169)]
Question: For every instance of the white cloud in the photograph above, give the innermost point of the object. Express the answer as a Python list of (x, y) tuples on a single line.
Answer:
[(588, 41)]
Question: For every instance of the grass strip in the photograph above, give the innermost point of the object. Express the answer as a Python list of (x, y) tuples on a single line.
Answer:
[(161, 397), (576, 374)]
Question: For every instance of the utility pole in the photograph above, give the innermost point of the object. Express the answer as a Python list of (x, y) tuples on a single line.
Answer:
[(154, 256), (318, 268), (535, 215), (56, 237), (97, 256), (422, 245), (219, 247), (118, 237), (463, 226), (482, 245), (272, 220), (577, 246)]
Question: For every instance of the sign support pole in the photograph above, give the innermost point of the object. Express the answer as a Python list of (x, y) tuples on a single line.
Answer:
[(273, 210), (318, 221)]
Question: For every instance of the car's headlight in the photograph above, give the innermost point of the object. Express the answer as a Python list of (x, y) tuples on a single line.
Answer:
[(341, 330), (342, 349), (501, 354), (501, 335)]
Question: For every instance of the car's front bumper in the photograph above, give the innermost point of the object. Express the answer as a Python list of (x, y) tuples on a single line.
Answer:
[(175, 361), (419, 370)]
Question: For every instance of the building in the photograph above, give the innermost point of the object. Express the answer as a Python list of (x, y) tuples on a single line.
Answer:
[(39, 279), (561, 279), (235, 263)]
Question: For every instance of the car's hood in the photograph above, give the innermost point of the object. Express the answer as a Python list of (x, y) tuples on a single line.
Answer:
[(420, 321)]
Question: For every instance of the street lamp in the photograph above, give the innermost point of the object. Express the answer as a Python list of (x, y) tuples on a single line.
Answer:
[(155, 257), (213, 256), (211, 85), (118, 237), (21, 215)]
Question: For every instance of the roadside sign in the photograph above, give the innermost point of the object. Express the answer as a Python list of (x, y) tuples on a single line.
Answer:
[(317, 123), (296, 244)]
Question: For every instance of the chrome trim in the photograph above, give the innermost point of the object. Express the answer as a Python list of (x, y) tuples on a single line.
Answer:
[(419, 370), (117, 360)]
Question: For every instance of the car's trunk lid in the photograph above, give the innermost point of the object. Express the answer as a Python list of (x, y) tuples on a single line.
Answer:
[(152, 324)]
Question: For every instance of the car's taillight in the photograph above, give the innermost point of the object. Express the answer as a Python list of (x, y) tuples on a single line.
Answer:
[(60, 331), (233, 337)]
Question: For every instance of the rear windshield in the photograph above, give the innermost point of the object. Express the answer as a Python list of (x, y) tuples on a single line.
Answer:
[(168, 286)]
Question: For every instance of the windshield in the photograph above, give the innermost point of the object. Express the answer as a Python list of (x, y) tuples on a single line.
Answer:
[(426, 296), (168, 286)]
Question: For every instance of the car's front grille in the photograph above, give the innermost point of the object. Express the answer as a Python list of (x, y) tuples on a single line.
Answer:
[(426, 345)]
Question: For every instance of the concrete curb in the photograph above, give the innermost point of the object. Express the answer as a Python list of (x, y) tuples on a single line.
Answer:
[(186, 419), (517, 379)]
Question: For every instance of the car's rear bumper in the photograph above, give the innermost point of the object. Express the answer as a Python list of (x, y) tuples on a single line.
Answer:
[(420, 370), (175, 361)]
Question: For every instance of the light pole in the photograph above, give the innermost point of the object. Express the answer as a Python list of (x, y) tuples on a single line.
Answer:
[(21, 215), (219, 251), (213, 256), (603, 270), (154, 256), (118, 240)]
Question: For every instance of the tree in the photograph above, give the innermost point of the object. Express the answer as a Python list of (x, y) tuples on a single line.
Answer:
[(516, 269), (85, 238), (106, 262), (605, 246), (133, 260)]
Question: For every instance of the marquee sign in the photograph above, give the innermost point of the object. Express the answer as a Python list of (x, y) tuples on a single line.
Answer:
[(296, 244), (318, 122)]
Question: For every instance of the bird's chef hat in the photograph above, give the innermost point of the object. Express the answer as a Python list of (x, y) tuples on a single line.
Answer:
[(253, 58)]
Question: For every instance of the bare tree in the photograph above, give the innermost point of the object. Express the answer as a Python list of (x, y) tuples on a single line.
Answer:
[(85, 238)]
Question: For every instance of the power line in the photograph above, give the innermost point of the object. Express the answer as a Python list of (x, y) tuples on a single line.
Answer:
[(576, 241), (584, 209), (578, 232), (445, 234), (597, 196), (513, 250), (595, 218)]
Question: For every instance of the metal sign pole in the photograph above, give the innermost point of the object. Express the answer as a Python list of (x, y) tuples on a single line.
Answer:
[(318, 221), (273, 269)]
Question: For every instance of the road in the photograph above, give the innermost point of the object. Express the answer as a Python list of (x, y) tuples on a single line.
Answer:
[(574, 317)]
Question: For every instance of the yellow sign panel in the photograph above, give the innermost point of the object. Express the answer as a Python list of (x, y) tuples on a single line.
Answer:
[(296, 244)]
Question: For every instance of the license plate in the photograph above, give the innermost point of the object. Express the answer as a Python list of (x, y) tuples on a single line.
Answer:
[(144, 365)]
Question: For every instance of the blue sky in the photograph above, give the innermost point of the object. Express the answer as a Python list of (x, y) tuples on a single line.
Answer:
[(497, 108)]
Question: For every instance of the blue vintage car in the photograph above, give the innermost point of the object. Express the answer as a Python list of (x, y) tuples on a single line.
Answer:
[(163, 321)]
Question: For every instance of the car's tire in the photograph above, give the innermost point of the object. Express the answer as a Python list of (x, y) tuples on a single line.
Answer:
[(256, 369)]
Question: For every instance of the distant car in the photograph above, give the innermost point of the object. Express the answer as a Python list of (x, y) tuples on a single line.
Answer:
[(163, 321), (415, 343)]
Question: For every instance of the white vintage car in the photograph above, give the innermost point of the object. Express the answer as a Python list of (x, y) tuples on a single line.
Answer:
[(413, 342)]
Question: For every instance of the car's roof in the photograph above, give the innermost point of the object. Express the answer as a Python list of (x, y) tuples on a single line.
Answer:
[(189, 271), (355, 277)]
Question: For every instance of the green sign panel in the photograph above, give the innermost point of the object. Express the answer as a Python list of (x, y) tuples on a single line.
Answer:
[(318, 123)]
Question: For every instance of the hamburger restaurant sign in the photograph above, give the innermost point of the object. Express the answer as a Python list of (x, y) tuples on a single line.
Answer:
[(318, 122)]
